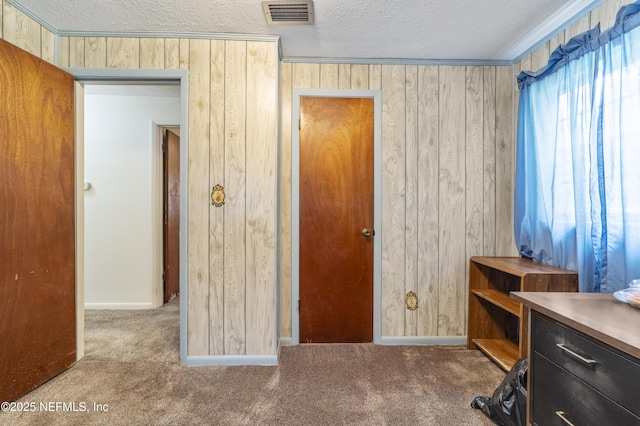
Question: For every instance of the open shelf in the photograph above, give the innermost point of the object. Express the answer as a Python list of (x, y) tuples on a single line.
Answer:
[(503, 352), (496, 323), (499, 299)]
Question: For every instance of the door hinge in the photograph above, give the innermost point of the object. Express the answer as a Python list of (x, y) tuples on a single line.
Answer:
[(298, 305), (164, 276), (299, 123)]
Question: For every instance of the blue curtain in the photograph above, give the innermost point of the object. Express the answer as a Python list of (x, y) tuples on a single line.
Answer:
[(577, 188)]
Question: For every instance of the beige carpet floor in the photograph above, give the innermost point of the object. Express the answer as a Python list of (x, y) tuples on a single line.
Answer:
[(131, 376)]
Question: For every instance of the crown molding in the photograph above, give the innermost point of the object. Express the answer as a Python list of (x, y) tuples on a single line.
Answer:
[(399, 61), (542, 33)]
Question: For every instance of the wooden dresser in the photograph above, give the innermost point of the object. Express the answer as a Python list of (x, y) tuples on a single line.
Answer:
[(584, 359)]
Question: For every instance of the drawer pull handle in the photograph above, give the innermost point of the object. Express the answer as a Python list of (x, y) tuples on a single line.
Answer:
[(564, 418), (572, 353)]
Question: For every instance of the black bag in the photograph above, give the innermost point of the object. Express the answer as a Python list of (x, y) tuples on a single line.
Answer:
[(508, 405)]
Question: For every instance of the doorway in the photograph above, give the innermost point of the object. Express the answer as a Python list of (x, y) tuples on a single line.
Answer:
[(367, 233), (126, 77), (124, 193)]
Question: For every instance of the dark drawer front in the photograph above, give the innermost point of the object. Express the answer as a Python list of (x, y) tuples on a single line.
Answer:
[(559, 398), (611, 373)]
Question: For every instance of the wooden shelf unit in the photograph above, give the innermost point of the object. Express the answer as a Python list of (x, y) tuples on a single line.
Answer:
[(497, 324)]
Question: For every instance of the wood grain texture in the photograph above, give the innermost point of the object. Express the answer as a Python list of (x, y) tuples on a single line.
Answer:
[(123, 53), (540, 56), (393, 199), (48, 44), (428, 258), (76, 52), (344, 76), (152, 53), (198, 198), (489, 162), (172, 53), (411, 194), (20, 30), (359, 76), (505, 161), (261, 207), (336, 202), (37, 233), (451, 318), (183, 51), (216, 214), (328, 76), (235, 223), (306, 76), (474, 164), (63, 54), (95, 52), (286, 77)]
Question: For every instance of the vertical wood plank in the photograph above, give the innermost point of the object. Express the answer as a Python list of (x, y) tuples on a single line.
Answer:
[(375, 77), (451, 304), (393, 196), (489, 162), (474, 167), (123, 53), (48, 45), (198, 198), (76, 52), (411, 191), (285, 199), (359, 76), (184, 54), (152, 53), (578, 27), (261, 198), (329, 76), (344, 76), (605, 14), (20, 30), (540, 57), (216, 215), (64, 52), (172, 53), (306, 76), (505, 160), (428, 136), (95, 55), (235, 207)]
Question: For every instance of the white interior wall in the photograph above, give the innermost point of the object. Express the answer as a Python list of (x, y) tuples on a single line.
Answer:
[(123, 166)]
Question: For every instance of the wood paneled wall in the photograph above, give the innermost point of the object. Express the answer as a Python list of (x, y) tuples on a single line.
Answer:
[(233, 121), (447, 185), (233, 114), (448, 159)]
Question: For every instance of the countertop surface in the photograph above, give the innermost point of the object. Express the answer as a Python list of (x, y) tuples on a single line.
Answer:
[(598, 315)]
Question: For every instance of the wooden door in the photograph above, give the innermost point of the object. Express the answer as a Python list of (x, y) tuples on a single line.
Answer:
[(171, 177), (37, 224), (336, 205)]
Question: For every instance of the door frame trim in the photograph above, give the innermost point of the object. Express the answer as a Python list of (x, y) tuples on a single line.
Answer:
[(376, 95), (124, 76)]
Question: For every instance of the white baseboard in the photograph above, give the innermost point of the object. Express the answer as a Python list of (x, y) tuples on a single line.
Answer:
[(423, 340), (231, 360), (119, 306)]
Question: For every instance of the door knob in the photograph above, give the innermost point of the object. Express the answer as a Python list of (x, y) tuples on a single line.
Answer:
[(367, 232)]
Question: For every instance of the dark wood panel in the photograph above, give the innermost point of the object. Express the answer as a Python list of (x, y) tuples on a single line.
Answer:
[(336, 203), (171, 174), (37, 232)]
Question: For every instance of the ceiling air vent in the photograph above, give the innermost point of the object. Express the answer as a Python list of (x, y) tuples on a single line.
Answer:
[(288, 12)]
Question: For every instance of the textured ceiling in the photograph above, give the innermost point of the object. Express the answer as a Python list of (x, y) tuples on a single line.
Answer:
[(465, 30)]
